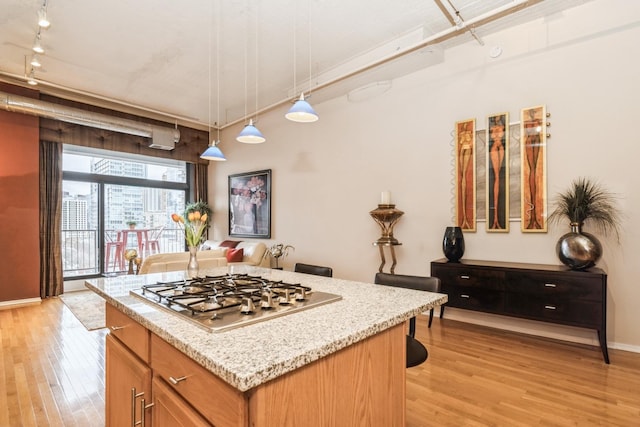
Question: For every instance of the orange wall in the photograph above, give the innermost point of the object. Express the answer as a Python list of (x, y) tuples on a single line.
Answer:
[(19, 201)]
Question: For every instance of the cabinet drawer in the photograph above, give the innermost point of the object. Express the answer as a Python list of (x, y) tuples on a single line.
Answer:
[(574, 286), (582, 313), (475, 299), (128, 331), (470, 277), (216, 400)]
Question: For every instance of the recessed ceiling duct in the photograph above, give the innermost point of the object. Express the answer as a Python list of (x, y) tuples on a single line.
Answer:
[(163, 138)]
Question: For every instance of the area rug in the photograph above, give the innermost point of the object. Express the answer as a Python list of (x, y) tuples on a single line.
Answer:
[(88, 307)]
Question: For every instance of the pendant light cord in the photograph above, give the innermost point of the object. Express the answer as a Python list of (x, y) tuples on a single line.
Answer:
[(218, 4)]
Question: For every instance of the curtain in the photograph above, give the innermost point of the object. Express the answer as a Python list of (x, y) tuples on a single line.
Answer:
[(51, 278), (200, 186)]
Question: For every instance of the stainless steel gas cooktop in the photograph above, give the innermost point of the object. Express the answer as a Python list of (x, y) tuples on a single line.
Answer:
[(220, 303)]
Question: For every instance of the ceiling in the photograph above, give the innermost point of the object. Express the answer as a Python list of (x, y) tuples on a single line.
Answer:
[(162, 57)]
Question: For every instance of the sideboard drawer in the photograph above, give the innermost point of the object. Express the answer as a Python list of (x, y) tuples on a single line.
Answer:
[(468, 277), (475, 299), (586, 314), (586, 287)]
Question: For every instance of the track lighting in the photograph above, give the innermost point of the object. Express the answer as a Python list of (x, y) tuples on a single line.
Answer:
[(32, 78), (37, 46), (35, 62), (43, 21)]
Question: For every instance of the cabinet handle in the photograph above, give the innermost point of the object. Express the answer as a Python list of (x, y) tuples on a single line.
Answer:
[(116, 328), (464, 296), (175, 381), (134, 396), (549, 285), (550, 307), (143, 410), (464, 277)]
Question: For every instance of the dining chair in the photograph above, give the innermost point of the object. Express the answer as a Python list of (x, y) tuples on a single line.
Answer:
[(416, 352), (317, 270)]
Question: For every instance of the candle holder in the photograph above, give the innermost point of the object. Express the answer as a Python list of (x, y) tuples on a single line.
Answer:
[(386, 216)]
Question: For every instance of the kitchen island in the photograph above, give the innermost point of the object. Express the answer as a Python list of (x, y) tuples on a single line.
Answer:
[(341, 363)]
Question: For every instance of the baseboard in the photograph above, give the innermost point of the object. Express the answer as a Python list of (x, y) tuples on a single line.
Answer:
[(533, 327), (19, 302)]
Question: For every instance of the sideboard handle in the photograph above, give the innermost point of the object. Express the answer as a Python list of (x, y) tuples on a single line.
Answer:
[(550, 307), (464, 296), (116, 328), (549, 285), (464, 277)]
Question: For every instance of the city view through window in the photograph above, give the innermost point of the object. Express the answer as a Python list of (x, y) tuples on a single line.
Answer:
[(113, 202)]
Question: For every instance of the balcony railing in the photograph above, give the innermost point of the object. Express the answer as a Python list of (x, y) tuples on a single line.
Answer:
[(81, 257)]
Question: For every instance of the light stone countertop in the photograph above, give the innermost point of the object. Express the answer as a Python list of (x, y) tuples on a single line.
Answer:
[(248, 356)]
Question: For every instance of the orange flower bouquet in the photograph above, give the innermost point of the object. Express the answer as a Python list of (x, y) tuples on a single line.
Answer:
[(193, 227)]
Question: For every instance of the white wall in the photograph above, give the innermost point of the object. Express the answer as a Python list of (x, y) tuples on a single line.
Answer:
[(327, 176)]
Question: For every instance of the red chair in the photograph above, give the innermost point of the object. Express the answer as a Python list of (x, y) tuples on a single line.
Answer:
[(153, 242), (117, 246)]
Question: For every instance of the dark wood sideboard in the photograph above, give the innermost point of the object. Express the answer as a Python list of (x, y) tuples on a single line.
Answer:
[(548, 293)]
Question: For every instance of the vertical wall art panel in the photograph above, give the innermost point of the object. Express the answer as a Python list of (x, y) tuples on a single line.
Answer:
[(497, 202), (533, 154), (466, 175)]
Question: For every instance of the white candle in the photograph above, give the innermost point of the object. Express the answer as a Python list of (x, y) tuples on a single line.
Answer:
[(385, 198)]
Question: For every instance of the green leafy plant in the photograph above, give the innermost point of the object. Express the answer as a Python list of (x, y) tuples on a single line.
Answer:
[(131, 223), (587, 201)]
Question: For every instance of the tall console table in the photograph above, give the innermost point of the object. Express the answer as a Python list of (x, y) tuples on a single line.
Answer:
[(548, 293)]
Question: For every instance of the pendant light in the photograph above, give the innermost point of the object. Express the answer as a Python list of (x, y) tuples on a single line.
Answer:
[(213, 152), (301, 111), (250, 133)]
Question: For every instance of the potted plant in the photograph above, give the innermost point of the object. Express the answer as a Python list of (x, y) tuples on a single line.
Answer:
[(584, 202), (132, 224)]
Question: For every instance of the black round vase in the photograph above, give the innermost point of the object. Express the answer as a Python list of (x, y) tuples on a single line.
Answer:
[(453, 243)]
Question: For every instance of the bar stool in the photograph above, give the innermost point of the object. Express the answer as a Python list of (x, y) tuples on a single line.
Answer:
[(118, 248)]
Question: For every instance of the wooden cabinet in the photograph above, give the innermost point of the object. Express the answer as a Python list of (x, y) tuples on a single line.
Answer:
[(128, 386), (169, 410), (548, 293), (360, 385)]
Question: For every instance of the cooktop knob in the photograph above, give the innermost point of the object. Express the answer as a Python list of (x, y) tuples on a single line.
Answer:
[(301, 293), (266, 301), (247, 306), (284, 297)]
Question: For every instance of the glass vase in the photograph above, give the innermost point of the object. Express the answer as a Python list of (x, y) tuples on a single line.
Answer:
[(193, 267)]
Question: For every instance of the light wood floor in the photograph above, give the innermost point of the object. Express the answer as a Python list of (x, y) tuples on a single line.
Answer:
[(52, 373)]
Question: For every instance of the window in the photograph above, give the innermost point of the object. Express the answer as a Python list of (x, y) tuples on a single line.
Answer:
[(113, 202)]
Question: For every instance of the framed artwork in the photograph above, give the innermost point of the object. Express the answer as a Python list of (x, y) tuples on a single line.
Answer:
[(250, 204), (465, 143), (533, 153), (497, 184)]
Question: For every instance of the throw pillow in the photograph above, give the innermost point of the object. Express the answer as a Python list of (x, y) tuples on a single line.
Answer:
[(229, 243), (235, 255)]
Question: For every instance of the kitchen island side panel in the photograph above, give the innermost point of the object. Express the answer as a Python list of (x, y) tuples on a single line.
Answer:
[(361, 385)]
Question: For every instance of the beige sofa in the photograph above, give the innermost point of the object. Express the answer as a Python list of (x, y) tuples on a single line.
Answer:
[(210, 255)]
